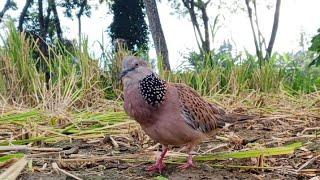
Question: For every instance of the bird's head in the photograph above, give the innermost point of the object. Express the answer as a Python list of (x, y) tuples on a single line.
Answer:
[(133, 70)]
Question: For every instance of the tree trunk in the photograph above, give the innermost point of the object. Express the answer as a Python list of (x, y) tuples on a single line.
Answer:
[(41, 20), (202, 6), (53, 7), (157, 32), (43, 30), (5, 9), (256, 44), (83, 4), (205, 19), (47, 19), (261, 39), (190, 6), (23, 14), (274, 30), (79, 33)]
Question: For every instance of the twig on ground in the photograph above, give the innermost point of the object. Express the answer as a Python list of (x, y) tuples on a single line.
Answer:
[(153, 147), (46, 149), (44, 166), (45, 154), (222, 138), (308, 162), (315, 178), (310, 129), (14, 148), (13, 171), (215, 148), (58, 170), (114, 142), (28, 148)]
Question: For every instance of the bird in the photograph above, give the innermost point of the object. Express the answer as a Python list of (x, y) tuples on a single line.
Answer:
[(169, 113)]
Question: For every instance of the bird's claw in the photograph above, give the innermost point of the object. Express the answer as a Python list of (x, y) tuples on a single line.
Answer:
[(159, 166), (186, 166)]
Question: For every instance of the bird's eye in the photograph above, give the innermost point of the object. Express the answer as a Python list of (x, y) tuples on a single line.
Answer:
[(136, 64)]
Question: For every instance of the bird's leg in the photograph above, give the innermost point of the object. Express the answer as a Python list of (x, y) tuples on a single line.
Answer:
[(159, 165), (189, 162)]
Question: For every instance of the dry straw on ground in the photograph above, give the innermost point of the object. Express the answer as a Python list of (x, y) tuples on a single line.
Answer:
[(283, 140)]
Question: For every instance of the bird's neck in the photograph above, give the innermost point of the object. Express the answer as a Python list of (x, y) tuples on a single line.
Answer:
[(144, 97), (153, 90), (133, 80), (135, 105)]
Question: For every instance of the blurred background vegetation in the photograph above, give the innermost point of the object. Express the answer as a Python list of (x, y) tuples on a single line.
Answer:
[(40, 67)]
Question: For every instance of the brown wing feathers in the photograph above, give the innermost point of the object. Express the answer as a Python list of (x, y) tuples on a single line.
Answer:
[(197, 113)]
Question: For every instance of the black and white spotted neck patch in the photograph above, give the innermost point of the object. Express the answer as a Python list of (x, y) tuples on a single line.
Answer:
[(153, 90)]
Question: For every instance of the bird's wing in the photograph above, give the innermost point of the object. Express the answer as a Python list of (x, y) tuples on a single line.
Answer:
[(198, 113)]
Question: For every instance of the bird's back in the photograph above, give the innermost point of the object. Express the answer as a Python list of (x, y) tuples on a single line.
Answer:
[(197, 112)]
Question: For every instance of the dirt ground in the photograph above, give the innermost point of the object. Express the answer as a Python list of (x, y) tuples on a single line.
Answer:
[(267, 132), (123, 151)]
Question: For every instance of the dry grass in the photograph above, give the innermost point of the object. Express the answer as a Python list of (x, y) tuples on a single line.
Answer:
[(81, 140)]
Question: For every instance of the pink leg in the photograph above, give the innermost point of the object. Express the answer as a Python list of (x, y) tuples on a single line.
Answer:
[(159, 165), (189, 162)]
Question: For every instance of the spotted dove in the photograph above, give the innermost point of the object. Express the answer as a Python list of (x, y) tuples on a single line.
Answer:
[(170, 113)]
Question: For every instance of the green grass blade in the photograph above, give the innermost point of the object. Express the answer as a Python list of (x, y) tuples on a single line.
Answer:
[(289, 149), (8, 157)]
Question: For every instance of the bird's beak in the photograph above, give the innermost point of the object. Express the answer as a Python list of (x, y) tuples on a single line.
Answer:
[(125, 72)]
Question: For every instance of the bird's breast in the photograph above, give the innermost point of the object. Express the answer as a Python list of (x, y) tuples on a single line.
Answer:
[(136, 107)]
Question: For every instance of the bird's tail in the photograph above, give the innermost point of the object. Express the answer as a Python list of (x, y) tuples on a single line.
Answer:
[(226, 119), (235, 117), (229, 119)]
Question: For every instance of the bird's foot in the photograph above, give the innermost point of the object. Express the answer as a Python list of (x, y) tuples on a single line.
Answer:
[(159, 166), (186, 166)]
